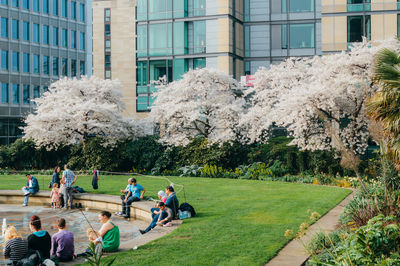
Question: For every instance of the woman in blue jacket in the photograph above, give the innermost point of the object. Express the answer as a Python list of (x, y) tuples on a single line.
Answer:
[(32, 187)]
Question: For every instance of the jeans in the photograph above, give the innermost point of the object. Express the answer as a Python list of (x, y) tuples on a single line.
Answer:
[(68, 195), (153, 224), (153, 210), (126, 206), (27, 190)]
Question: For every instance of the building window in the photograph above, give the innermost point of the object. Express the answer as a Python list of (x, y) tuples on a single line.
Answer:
[(284, 37), (82, 12), (160, 9), (82, 68), (180, 38), (4, 60), (46, 65), (25, 31), (55, 36), (358, 27), (82, 41), (64, 37), (107, 46), (141, 74), (15, 29), (26, 63), (65, 8), (45, 89), (199, 7), (180, 8), (25, 94), (107, 61), (73, 10), (4, 2), (107, 74), (64, 67), (199, 63), (36, 5), (298, 6), (358, 5), (55, 66), (55, 7), (107, 30), (141, 10), (73, 39), (15, 61), (36, 64), (45, 7), (36, 92), (45, 34), (199, 37), (301, 36), (4, 27), (36, 36), (160, 39), (142, 103), (4, 92), (15, 3), (25, 4), (107, 14), (73, 67), (180, 68), (15, 93), (141, 40)]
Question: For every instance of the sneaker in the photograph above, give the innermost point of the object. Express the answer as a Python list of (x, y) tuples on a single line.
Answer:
[(125, 216), (27, 194), (142, 232), (24, 205), (119, 213)]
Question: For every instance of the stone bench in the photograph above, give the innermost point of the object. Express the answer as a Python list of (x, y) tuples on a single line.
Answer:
[(140, 210)]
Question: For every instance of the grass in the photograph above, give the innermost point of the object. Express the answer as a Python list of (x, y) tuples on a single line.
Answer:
[(239, 222)]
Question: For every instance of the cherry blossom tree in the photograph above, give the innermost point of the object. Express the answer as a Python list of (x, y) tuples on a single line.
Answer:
[(72, 110), (205, 102), (320, 100)]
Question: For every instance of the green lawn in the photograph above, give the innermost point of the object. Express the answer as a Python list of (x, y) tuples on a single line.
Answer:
[(239, 222)]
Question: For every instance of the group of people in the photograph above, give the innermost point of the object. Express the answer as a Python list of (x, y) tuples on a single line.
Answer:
[(164, 211), (61, 193), (40, 246)]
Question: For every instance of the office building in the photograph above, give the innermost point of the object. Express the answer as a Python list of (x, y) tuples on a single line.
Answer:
[(40, 41)]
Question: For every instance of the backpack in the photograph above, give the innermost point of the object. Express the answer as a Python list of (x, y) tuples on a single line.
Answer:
[(189, 208)]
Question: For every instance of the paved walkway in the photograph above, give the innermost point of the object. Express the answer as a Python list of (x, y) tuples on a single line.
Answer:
[(293, 253)]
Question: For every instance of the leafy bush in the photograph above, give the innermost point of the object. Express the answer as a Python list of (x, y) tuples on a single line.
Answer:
[(376, 243), (257, 171)]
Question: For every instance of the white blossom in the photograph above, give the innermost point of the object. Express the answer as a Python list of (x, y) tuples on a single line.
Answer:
[(205, 102), (73, 110), (320, 100)]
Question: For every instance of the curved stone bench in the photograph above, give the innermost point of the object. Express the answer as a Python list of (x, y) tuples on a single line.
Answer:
[(139, 210)]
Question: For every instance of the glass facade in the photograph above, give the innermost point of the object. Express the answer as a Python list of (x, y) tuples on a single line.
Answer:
[(73, 67), (82, 12), (73, 39), (358, 27), (26, 62), (4, 27), (55, 36), (46, 65), (15, 3), (358, 5), (4, 93), (25, 31), (73, 10), (4, 60), (36, 92), (36, 5), (82, 68), (55, 66), (64, 67), (26, 94), (65, 8), (64, 38), (15, 93), (55, 7), (45, 34), (35, 33), (15, 29), (25, 4), (15, 61), (36, 64), (82, 41), (45, 6), (302, 36)]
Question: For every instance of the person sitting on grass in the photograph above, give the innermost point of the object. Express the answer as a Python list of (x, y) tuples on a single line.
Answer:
[(62, 244), (162, 196), (107, 236), (16, 248), (160, 219), (39, 240), (172, 201), (32, 187), (134, 193)]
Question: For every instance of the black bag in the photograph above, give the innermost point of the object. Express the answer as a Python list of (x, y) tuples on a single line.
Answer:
[(95, 179), (33, 258), (187, 207)]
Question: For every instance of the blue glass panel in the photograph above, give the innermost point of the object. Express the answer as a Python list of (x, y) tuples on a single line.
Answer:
[(25, 31), (36, 64), (73, 10), (36, 36), (82, 41), (26, 97), (15, 93), (26, 62), (15, 61), (15, 29), (55, 7), (46, 65), (45, 6), (4, 93), (55, 66), (82, 12), (4, 60), (4, 27), (45, 34)]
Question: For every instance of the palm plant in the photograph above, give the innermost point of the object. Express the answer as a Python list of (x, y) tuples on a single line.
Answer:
[(383, 107)]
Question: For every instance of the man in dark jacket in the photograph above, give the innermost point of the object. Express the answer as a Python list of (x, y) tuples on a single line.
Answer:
[(172, 201), (32, 187)]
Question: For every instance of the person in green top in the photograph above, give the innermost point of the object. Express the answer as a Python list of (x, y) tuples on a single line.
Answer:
[(108, 234)]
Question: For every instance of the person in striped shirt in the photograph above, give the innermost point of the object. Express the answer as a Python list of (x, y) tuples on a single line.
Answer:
[(68, 179), (16, 248)]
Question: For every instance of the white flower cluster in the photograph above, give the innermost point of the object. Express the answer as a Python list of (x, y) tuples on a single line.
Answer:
[(73, 110), (205, 102)]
